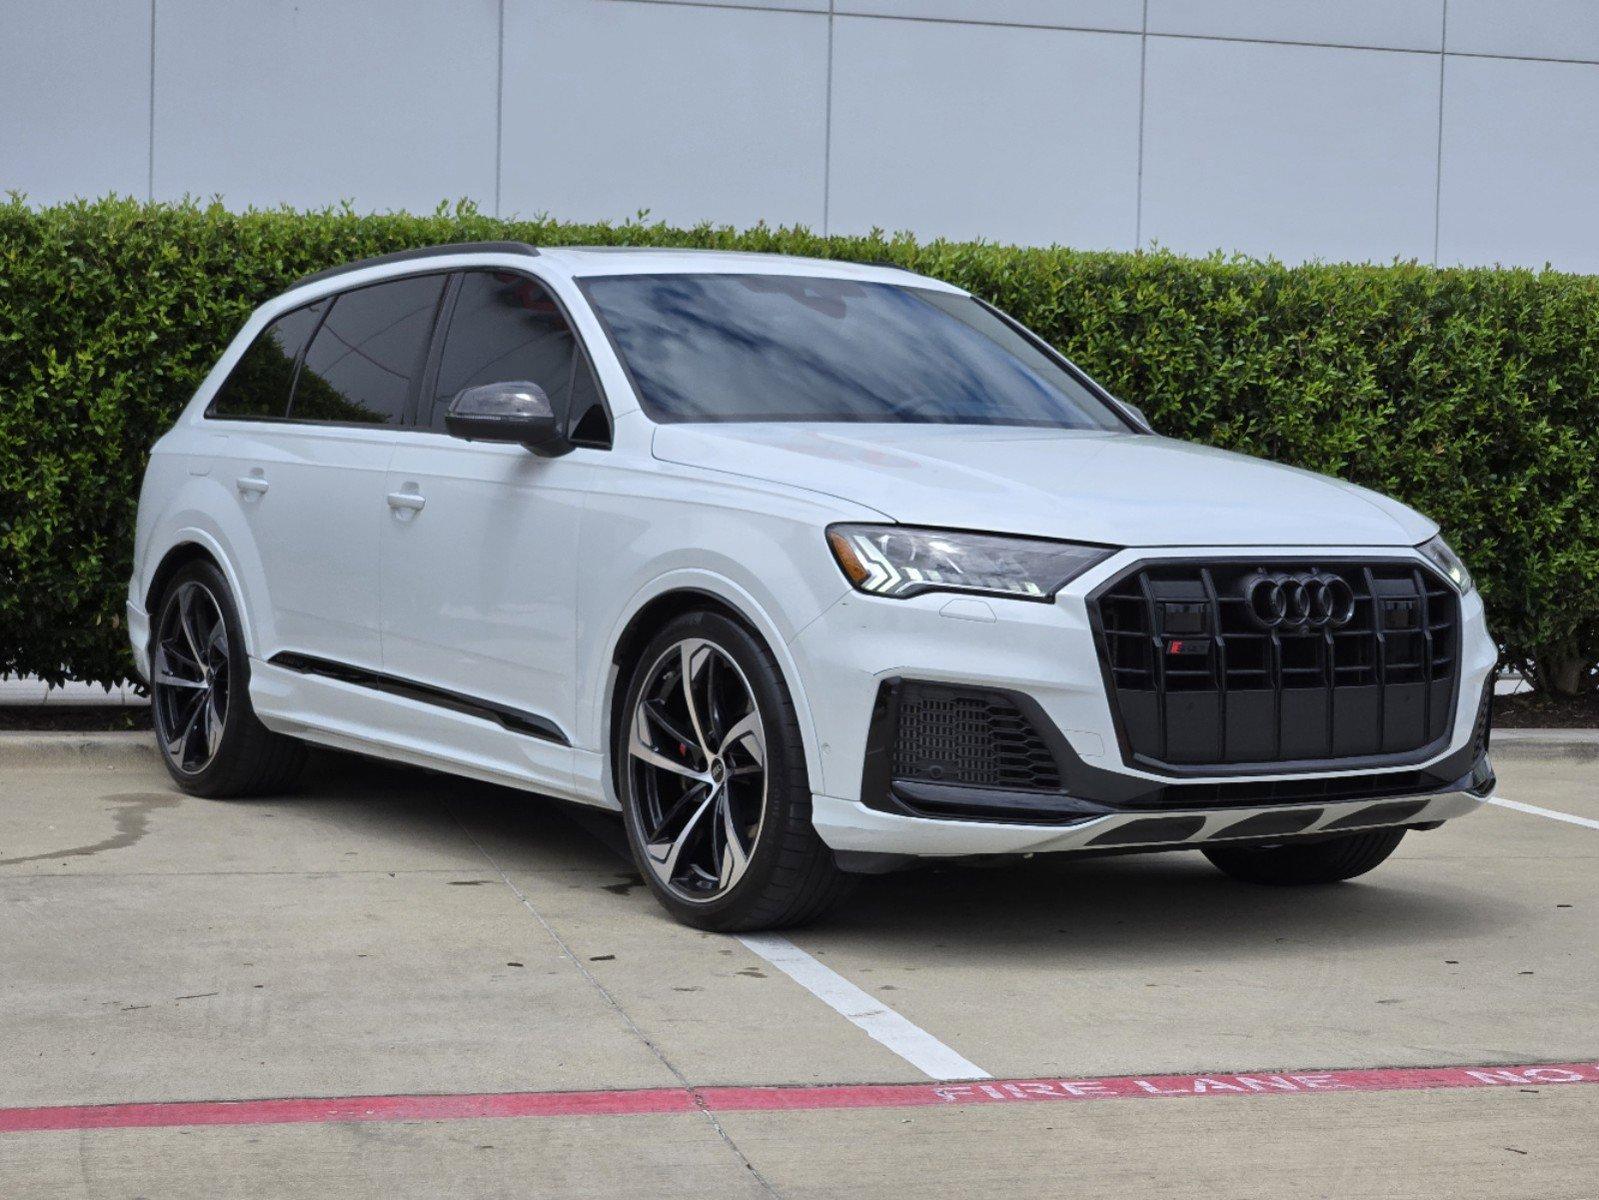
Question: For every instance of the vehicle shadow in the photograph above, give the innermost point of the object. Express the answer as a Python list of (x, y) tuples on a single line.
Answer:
[(1162, 908), (1122, 909)]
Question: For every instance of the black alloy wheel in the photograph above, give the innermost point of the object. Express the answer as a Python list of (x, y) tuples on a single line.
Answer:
[(210, 739), (190, 678), (709, 765), (697, 758)]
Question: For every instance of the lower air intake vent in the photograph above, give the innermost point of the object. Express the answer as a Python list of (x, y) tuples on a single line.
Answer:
[(1483, 732), (975, 738)]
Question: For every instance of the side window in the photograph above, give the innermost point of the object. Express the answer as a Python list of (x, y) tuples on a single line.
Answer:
[(360, 366), (504, 328), (260, 382), (590, 424)]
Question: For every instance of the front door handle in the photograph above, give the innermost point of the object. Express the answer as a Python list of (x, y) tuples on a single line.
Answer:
[(252, 485), (407, 500)]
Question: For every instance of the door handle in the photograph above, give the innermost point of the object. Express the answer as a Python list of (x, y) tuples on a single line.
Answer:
[(253, 485), (407, 500)]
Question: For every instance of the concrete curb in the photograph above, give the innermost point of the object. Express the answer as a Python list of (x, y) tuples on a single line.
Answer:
[(1563, 737), (49, 748), (1545, 743)]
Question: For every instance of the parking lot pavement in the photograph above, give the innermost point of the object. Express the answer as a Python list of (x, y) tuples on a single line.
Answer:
[(401, 935)]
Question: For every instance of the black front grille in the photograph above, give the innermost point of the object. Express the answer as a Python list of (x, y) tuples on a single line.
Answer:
[(1197, 681), (975, 738)]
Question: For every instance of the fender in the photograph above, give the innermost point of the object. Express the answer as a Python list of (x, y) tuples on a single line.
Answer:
[(736, 597), (233, 550)]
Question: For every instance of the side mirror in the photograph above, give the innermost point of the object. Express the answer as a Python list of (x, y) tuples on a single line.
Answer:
[(507, 412)]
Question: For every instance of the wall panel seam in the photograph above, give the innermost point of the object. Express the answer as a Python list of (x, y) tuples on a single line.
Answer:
[(149, 168), (1438, 164), (1143, 89), (499, 111), (827, 132), (833, 10)]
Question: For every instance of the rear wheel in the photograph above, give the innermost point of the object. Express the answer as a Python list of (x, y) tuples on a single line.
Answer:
[(209, 736), (711, 774), (1291, 865)]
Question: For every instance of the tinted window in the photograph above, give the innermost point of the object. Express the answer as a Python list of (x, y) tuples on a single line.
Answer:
[(504, 328), (792, 348), (589, 424), (260, 382), (361, 364)]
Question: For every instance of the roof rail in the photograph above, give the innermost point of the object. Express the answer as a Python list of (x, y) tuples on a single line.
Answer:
[(420, 252)]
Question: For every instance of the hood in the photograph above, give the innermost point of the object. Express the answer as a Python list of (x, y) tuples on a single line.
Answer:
[(1121, 489)]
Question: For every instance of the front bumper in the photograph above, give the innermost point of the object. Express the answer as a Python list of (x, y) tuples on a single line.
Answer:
[(1047, 653), (851, 827), (139, 638)]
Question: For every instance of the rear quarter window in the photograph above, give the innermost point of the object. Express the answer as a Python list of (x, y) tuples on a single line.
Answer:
[(262, 380)]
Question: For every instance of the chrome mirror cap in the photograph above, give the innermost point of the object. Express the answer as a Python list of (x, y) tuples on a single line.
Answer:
[(517, 411)]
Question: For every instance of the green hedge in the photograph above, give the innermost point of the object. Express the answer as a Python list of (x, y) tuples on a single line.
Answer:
[(1471, 394)]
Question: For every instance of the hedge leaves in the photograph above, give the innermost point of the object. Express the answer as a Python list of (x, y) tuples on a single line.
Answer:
[(1473, 395)]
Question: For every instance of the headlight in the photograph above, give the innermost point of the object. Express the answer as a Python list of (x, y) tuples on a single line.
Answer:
[(896, 561), (1447, 561)]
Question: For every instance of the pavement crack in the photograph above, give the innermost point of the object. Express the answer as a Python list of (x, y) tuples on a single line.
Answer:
[(660, 1055)]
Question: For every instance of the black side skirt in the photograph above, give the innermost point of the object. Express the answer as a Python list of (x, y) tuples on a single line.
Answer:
[(517, 721)]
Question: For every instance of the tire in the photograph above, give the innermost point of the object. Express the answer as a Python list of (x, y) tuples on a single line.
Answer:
[(1330, 861), (209, 737), (669, 759)]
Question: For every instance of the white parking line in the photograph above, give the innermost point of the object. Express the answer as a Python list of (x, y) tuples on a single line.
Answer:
[(1544, 812), (881, 1023)]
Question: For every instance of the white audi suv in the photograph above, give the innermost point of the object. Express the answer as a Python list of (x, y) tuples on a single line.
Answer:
[(810, 569)]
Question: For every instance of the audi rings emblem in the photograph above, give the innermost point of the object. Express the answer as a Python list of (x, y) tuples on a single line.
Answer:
[(1308, 600)]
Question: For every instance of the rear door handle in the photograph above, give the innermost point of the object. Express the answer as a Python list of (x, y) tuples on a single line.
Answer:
[(408, 500), (252, 484)]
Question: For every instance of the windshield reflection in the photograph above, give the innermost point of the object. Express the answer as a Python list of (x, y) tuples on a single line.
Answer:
[(795, 348)]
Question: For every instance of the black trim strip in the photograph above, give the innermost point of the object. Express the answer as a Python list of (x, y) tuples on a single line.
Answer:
[(1151, 829), (513, 719), (957, 801), (1377, 814), (1271, 824)]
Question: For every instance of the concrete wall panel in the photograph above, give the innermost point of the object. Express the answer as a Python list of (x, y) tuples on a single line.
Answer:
[(694, 113), (1538, 28), (1018, 135), (1060, 14), (1295, 151), (75, 99), (1390, 24), (1520, 176), (384, 105)]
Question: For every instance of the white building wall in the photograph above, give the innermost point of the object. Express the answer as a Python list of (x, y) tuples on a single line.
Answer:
[(1443, 130)]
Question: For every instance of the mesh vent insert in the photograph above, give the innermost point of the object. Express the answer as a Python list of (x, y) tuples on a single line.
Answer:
[(975, 738)]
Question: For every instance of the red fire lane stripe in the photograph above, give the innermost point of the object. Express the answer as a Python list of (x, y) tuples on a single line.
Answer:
[(335, 1110)]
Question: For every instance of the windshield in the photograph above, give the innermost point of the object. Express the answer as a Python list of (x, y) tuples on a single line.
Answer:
[(795, 348)]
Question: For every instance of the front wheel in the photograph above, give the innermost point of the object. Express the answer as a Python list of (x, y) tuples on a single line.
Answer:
[(1291, 865), (711, 773)]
